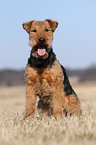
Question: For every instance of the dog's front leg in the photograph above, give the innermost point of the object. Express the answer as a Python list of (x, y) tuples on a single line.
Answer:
[(58, 101), (30, 101)]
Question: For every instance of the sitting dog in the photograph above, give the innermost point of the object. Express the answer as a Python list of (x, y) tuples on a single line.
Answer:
[(45, 76)]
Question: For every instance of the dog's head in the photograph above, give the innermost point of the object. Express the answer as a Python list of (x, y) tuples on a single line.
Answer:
[(40, 36)]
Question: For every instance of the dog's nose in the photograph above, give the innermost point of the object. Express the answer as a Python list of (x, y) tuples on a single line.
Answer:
[(41, 40)]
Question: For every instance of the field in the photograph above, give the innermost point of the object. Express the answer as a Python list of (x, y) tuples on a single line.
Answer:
[(47, 131)]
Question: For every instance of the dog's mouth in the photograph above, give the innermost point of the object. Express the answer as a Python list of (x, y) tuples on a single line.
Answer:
[(40, 51)]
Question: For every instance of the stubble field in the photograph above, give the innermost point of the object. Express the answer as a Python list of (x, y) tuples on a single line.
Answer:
[(43, 130)]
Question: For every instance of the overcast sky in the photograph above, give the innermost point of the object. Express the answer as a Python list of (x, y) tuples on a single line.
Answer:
[(74, 39)]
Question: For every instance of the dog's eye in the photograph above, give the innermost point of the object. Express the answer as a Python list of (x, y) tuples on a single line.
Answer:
[(46, 30), (33, 30)]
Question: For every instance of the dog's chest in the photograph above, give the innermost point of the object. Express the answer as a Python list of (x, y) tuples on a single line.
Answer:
[(44, 81)]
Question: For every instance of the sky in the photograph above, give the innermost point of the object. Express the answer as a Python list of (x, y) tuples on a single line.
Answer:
[(74, 40)]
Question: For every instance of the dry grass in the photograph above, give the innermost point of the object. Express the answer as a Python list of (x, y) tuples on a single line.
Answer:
[(47, 131)]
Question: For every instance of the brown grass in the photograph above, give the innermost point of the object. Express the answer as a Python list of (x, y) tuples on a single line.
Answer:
[(43, 130)]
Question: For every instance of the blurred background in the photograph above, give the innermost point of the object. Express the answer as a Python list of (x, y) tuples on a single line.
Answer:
[(74, 39)]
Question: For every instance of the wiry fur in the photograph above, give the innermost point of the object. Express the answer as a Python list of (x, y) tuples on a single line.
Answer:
[(46, 77)]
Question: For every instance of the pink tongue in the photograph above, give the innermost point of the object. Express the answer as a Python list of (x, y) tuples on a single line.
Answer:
[(41, 52)]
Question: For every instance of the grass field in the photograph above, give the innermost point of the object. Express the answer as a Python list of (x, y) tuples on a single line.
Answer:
[(47, 131)]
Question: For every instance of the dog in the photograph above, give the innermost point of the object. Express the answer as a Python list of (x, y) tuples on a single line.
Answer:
[(45, 76)]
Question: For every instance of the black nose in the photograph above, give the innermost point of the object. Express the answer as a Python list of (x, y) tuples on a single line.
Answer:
[(41, 40)]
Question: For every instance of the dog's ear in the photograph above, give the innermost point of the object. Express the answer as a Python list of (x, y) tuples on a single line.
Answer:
[(53, 24), (27, 26)]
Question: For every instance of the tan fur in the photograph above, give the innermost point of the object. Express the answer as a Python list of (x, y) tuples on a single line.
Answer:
[(40, 27), (46, 83), (72, 104)]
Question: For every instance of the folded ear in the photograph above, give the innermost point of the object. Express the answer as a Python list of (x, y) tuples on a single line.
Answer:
[(27, 26), (53, 24)]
